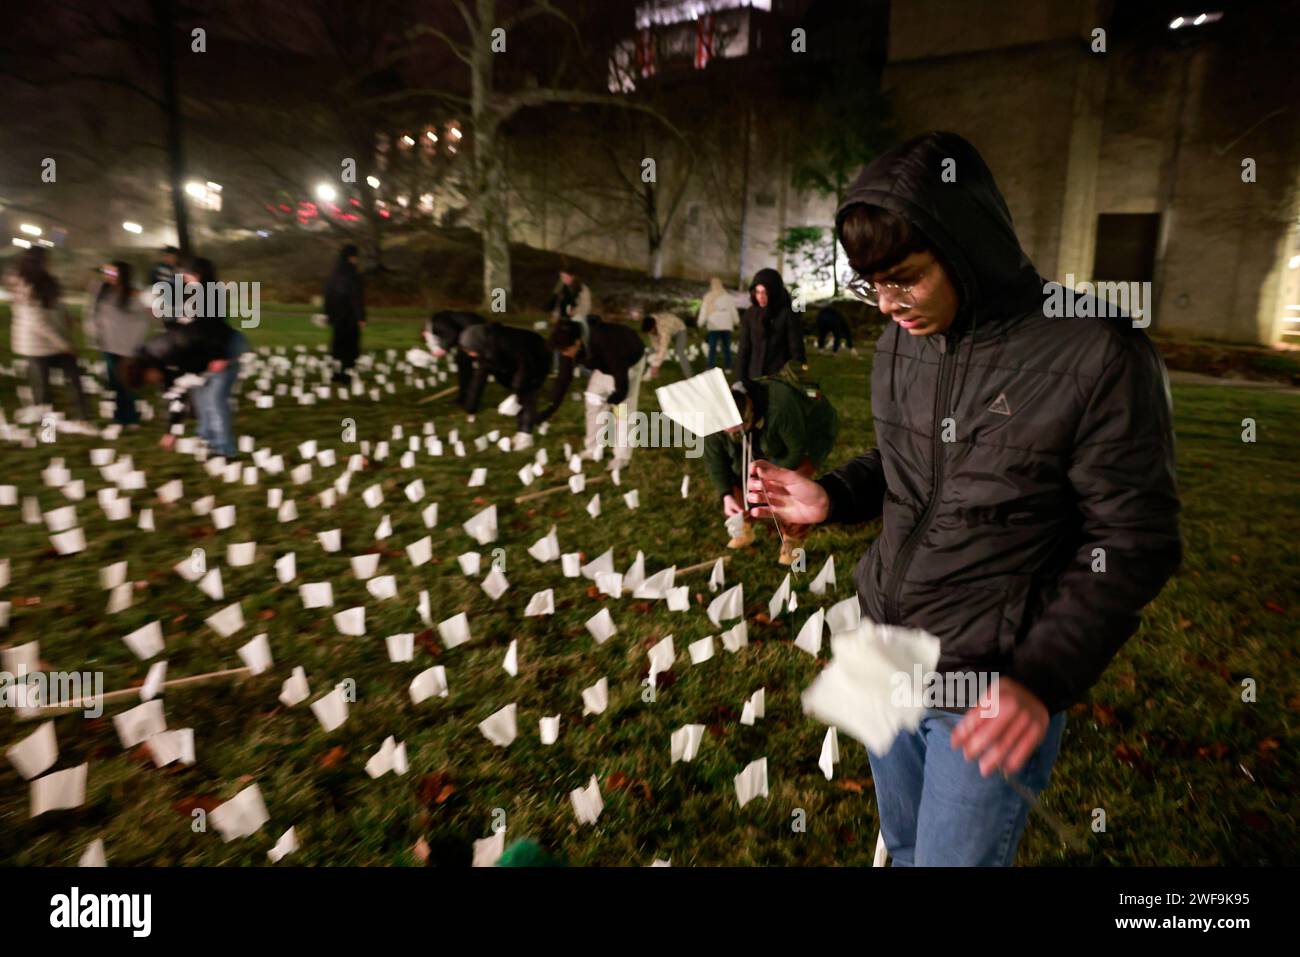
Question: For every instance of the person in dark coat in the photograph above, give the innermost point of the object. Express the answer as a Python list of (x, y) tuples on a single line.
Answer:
[(518, 359), (770, 332), (617, 359), (1024, 475), (345, 307), (442, 333), (832, 324), (196, 358)]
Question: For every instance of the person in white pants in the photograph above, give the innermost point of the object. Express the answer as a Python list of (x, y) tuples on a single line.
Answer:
[(617, 358)]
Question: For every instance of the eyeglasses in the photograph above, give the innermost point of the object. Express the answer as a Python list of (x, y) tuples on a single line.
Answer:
[(870, 292)]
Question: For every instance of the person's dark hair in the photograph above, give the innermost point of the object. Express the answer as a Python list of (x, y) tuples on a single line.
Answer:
[(32, 270), (347, 252), (565, 334), (877, 239), (648, 324), (123, 289), (203, 268)]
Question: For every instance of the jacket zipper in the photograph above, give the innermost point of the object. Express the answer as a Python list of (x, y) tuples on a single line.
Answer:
[(909, 544)]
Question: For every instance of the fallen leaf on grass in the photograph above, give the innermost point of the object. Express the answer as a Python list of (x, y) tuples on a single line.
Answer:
[(435, 788), (333, 757), (205, 802)]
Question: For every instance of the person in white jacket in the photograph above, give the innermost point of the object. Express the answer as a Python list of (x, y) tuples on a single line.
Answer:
[(719, 317), (40, 330), (117, 322)]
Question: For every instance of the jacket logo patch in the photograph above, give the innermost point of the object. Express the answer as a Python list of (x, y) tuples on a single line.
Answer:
[(1000, 405)]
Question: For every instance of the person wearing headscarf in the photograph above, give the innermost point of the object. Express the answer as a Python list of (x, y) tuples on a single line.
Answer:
[(345, 307), (770, 332)]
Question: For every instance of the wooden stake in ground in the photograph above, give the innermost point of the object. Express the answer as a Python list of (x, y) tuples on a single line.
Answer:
[(126, 693), (551, 491), (438, 395), (702, 565)]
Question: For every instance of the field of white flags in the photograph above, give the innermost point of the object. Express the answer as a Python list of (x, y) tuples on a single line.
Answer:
[(385, 635)]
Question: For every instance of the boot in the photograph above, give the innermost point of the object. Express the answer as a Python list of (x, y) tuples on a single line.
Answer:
[(744, 539)]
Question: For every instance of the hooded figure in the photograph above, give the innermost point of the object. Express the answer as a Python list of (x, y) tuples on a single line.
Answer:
[(1024, 477), (441, 334), (517, 358), (345, 307), (770, 332)]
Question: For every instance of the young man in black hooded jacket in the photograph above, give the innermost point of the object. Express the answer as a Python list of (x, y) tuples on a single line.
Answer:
[(1024, 473), (771, 333)]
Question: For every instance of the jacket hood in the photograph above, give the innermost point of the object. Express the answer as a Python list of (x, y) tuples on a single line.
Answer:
[(966, 220), (777, 296)]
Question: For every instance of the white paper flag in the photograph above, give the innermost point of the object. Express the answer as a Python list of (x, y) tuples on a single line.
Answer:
[(500, 727), (429, 683)]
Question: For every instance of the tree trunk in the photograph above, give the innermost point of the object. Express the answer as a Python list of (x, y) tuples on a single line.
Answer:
[(744, 200), (164, 15), (656, 266), (488, 173)]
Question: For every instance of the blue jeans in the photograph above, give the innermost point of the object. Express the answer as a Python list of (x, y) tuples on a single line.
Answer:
[(212, 401), (724, 338), (935, 808)]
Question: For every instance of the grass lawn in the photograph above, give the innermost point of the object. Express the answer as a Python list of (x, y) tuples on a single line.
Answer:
[(1186, 772)]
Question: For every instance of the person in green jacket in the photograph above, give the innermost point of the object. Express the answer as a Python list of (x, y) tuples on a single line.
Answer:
[(789, 421)]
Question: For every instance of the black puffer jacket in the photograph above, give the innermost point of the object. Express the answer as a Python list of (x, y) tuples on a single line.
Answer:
[(517, 358), (1060, 453)]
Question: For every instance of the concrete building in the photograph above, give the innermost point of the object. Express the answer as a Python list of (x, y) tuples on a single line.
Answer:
[(1135, 141)]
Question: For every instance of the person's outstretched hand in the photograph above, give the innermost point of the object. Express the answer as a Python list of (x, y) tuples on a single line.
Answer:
[(795, 499)]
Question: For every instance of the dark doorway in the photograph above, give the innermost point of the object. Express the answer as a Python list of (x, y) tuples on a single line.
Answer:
[(1126, 247)]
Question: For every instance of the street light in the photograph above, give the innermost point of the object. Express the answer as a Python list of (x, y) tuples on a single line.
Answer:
[(131, 227), (373, 182), (195, 189), (326, 192), (24, 243), (30, 230)]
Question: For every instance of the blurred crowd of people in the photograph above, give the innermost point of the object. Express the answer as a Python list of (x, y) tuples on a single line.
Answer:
[(154, 335)]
